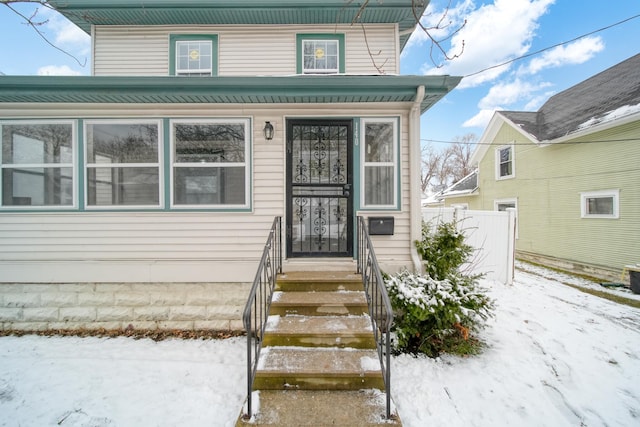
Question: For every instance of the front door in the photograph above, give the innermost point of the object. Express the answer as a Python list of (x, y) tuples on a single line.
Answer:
[(319, 188)]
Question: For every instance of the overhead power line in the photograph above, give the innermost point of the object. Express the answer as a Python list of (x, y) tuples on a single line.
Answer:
[(554, 46)]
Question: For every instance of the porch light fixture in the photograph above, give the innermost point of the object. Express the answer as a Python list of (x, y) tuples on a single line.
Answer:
[(268, 131)]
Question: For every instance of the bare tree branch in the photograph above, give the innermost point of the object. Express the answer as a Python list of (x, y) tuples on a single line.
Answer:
[(36, 24), (442, 168), (438, 43)]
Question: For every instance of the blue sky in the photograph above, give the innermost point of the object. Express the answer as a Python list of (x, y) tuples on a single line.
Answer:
[(496, 31)]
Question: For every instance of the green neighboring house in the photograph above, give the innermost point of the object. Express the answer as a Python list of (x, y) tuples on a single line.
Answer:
[(144, 194), (571, 170)]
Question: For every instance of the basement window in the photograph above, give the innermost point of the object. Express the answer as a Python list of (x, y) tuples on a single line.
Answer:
[(600, 204)]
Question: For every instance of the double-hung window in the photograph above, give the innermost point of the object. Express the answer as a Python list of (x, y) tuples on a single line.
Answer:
[(320, 53), (379, 163), (210, 163), (36, 162), (123, 161), (600, 204), (193, 55), (505, 167)]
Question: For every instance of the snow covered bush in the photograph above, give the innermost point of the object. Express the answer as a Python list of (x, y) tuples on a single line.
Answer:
[(440, 311)]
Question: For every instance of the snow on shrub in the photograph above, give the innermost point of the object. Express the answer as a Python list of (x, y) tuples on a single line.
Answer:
[(439, 311)]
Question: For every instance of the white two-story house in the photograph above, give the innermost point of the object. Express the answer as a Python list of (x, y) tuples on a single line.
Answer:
[(143, 194)]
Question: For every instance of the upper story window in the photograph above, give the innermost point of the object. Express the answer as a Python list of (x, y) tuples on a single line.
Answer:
[(320, 54), (210, 163), (505, 167), (122, 163), (379, 163), (600, 204), (36, 162), (193, 55)]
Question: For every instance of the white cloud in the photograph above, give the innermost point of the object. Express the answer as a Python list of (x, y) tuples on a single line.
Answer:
[(503, 95), (66, 34), (57, 70), (494, 33), (577, 52), (441, 22), (480, 120), (509, 93)]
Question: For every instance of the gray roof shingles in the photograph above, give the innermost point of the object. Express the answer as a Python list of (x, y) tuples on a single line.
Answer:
[(564, 112)]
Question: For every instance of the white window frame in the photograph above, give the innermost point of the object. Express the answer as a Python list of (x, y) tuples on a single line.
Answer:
[(246, 164), (195, 72), (498, 164), (613, 193), (323, 70), (510, 201), (463, 206), (159, 164), (394, 163), (72, 165)]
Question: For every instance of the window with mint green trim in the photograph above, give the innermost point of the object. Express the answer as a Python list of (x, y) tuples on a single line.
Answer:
[(320, 54), (379, 163), (123, 161), (193, 55), (210, 163), (37, 164)]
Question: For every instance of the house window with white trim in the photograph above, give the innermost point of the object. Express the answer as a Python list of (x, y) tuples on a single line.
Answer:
[(379, 163), (320, 53), (505, 167), (123, 161), (600, 204), (193, 55), (210, 163), (502, 205), (37, 164)]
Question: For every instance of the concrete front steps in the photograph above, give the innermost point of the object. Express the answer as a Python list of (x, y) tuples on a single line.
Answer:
[(319, 364)]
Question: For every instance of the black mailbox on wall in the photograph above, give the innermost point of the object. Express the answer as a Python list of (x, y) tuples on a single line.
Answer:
[(381, 225)]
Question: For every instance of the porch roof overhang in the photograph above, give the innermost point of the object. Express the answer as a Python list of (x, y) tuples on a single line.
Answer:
[(85, 13), (224, 90)]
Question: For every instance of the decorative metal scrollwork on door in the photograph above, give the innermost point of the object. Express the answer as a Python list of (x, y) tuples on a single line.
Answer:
[(319, 189)]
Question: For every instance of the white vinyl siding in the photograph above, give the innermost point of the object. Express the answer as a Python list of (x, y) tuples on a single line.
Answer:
[(185, 246), (242, 50)]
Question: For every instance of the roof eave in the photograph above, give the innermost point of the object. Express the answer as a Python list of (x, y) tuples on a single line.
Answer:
[(593, 129), (285, 89), (85, 13)]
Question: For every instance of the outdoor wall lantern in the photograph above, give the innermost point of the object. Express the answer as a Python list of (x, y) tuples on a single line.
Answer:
[(268, 131)]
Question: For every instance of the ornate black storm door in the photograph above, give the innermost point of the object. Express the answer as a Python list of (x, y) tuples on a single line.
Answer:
[(319, 188)]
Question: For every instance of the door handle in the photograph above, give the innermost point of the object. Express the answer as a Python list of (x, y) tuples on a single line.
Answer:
[(346, 190)]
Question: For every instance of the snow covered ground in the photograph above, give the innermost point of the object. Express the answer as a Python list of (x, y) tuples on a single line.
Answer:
[(555, 357)]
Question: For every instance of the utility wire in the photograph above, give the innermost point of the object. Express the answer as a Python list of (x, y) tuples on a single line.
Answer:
[(551, 47)]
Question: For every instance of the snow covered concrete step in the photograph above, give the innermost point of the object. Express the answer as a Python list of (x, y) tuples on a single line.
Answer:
[(320, 408), (320, 331), (341, 303), (303, 368), (323, 281)]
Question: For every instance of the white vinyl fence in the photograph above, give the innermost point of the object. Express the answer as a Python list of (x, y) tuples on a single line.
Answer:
[(491, 233)]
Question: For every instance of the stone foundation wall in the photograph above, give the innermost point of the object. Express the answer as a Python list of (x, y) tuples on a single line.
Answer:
[(593, 271), (185, 306)]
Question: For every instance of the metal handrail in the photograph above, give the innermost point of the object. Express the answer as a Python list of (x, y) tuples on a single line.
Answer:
[(256, 311), (379, 304)]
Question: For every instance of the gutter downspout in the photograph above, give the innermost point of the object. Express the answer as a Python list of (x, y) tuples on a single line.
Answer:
[(415, 192)]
